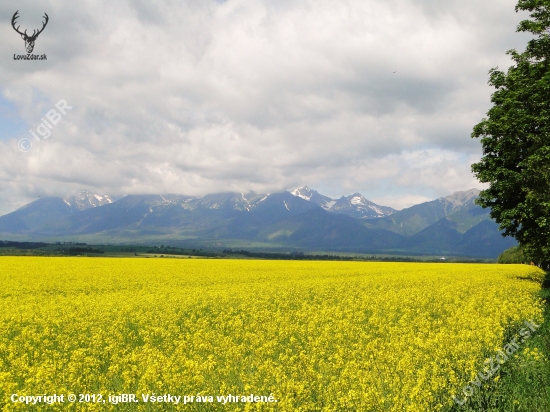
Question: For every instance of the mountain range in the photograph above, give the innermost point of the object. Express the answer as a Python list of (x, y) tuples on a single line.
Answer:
[(301, 219), (355, 205)]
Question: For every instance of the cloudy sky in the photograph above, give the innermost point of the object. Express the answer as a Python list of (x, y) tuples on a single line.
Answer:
[(203, 96)]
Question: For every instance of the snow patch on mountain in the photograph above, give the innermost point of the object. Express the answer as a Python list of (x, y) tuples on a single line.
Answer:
[(87, 199), (355, 205), (356, 200), (304, 192), (328, 205)]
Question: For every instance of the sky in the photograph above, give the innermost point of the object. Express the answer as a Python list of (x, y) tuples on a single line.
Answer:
[(202, 96)]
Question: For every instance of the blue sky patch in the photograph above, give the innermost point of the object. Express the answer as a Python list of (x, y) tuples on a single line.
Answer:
[(11, 124)]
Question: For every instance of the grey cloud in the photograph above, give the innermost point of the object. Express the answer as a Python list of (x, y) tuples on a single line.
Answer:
[(202, 96)]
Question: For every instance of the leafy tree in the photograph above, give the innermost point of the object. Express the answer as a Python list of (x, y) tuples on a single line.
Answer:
[(513, 255), (515, 137)]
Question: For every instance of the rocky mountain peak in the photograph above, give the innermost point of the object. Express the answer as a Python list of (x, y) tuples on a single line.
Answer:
[(87, 199)]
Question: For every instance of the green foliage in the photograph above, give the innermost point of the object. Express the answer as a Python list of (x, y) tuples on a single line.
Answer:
[(513, 255), (515, 138)]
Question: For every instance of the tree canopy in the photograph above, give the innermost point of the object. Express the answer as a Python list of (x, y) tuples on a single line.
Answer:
[(515, 138)]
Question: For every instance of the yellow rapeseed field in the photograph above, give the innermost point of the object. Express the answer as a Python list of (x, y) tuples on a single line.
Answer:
[(316, 336)]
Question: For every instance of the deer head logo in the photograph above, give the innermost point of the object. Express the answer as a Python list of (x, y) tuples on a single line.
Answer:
[(29, 40)]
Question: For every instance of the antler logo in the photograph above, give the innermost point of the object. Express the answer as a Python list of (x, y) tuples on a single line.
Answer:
[(29, 40)]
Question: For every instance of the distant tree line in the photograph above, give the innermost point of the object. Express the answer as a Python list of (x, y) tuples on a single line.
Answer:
[(22, 245), (80, 250), (303, 256)]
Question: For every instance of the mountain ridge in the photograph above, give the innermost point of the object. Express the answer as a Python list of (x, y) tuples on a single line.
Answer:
[(451, 225), (459, 207), (355, 205)]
